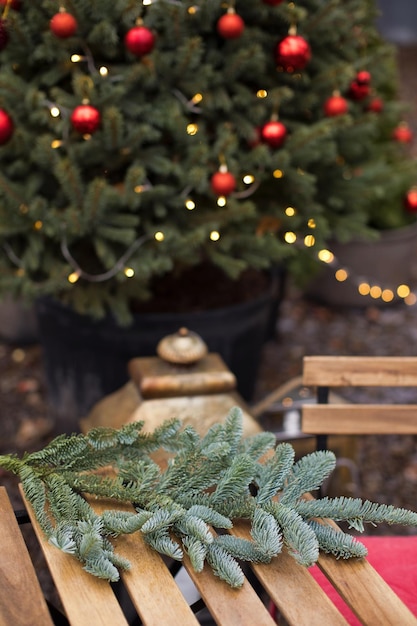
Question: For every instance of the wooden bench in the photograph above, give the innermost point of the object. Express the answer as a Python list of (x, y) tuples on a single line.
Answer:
[(158, 600)]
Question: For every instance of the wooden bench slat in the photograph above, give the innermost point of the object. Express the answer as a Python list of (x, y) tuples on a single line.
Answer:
[(347, 371), (21, 599), (86, 599), (365, 592), (359, 419), (293, 590)]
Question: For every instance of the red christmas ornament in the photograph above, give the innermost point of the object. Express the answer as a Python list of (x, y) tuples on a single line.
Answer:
[(293, 53), (360, 88), (376, 105), (6, 127), (363, 77), (403, 133), (223, 183), (273, 2), (63, 25), (410, 200), (4, 35), (274, 133), (335, 105), (85, 119), (139, 40), (230, 25)]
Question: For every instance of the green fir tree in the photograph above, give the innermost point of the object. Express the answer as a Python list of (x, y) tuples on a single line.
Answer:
[(97, 202), (208, 482)]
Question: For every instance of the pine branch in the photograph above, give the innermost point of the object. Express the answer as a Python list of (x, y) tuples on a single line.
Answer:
[(208, 482)]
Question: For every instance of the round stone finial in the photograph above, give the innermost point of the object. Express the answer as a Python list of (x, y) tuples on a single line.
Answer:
[(182, 348)]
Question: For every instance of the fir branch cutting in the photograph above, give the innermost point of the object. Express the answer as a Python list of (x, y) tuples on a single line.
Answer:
[(189, 505)]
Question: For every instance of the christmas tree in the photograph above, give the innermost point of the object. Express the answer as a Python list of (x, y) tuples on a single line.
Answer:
[(141, 137)]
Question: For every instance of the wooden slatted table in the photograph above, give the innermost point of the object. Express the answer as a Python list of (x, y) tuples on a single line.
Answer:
[(158, 599)]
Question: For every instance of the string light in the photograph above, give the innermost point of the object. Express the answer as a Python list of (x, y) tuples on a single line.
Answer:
[(55, 111), (159, 236), (290, 237), (403, 291), (73, 277), (309, 241), (103, 71), (326, 256), (290, 211), (190, 204), (341, 275), (129, 272), (262, 93), (215, 235), (192, 129), (56, 143), (311, 223), (76, 58), (221, 201), (38, 225), (248, 179), (277, 173)]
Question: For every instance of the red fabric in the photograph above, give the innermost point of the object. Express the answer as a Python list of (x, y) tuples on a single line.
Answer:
[(395, 559)]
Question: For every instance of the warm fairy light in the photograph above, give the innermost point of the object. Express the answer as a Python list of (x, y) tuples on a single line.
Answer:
[(129, 272), (192, 10), (341, 275), (411, 299), (387, 295), (290, 211), (87, 137), (215, 235), (221, 201), (55, 112), (56, 143), (326, 256), (375, 291), (364, 289), (104, 71), (403, 291), (197, 98), (309, 241), (190, 204), (277, 173), (147, 3), (261, 93), (73, 277), (138, 188), (311, 223), (290, 237), (38, 225), (76, 58), (159, 236), (248, 179), (192, 129)]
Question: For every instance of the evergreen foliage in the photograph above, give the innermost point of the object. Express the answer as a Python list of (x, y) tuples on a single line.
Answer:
[(208, 482), (88, 206)]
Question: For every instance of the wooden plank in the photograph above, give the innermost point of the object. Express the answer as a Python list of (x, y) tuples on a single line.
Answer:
[(21, 599), (151, 587), (359, 419), (228, 606), (294, 591), (86, 599), (365, 592), (346, 371)]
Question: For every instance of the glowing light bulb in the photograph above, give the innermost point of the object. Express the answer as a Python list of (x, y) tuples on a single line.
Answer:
[(76, 58), (38, 225), (403, 291), (56, 143), (277, 173), (190, 204), (104, 71), (159, 236), (129, 272), (215, 235), (248, 179), (262, 93), (192, 129), (290, 211), (73, 277), (375, 291), (290, 237), (341, 275), (387, 295), (221, 201), (55, 112), (311, 223), (364, 289), (197, 98), (309, 241), (326, 256)]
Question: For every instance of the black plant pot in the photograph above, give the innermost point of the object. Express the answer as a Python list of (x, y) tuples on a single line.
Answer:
[(86, 359)]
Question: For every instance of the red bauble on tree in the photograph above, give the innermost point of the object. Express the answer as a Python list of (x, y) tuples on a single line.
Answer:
[(63, 25), (360, 87), (6, 127), (403, 133), (376, 105), (293, 53), (410, 200), (223, 183), (85, 119), (139, 40), (4, 35), (230, 25), (274, 133), (335, 105)]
